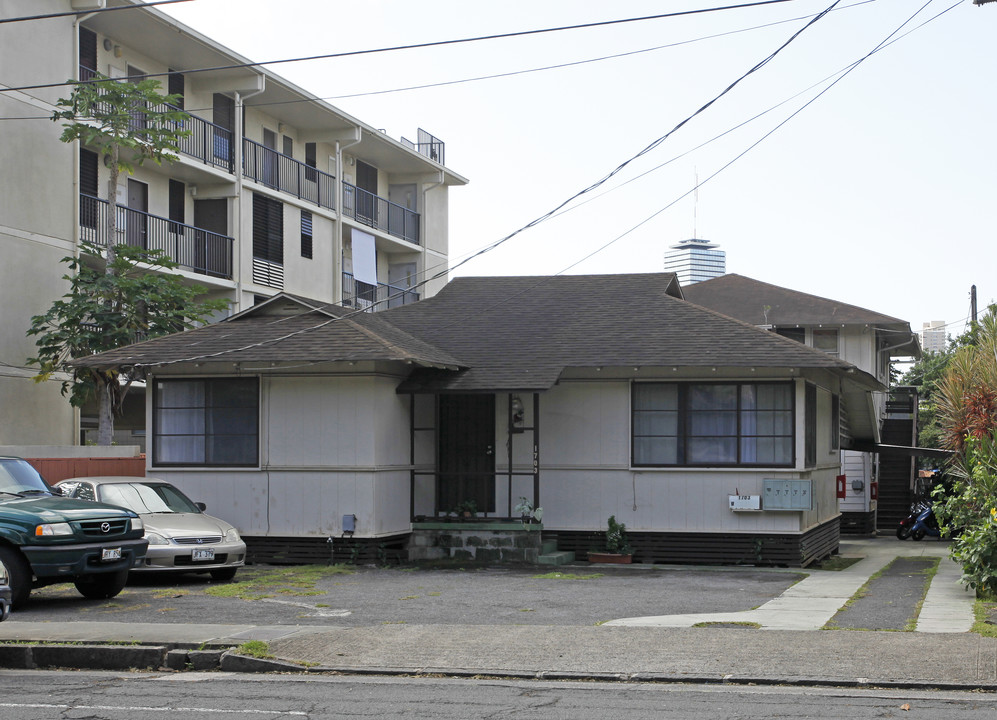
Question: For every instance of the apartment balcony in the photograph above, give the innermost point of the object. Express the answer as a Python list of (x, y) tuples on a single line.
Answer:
[(194, 249), (364, 296), (380, 213), (209, 143), (280, 172)]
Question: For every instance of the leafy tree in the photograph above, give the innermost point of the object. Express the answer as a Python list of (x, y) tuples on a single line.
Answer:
[(126, 123), (967, 413), (107, 310)]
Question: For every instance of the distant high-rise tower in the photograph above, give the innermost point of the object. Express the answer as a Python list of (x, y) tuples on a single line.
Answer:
[(933, 336), (695, 260)]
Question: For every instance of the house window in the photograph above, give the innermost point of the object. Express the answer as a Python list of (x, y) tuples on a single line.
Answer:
[(826, 340), (306, 234), (207, 422), (835, 423), (712, 424), (178, 201), (810, 415)]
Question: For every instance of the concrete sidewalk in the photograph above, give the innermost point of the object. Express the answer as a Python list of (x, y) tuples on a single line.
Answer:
[(940, 654)]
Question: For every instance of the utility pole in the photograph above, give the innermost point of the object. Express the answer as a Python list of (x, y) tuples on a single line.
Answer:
[(972, 290)]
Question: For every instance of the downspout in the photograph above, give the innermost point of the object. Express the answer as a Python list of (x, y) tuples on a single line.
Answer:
[(337, 277), (237, 141)]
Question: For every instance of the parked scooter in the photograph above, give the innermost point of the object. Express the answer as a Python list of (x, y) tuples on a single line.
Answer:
[(920, 522)]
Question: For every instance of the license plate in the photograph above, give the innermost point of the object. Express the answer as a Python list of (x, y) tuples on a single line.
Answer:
[(203, 554), (108, 554)]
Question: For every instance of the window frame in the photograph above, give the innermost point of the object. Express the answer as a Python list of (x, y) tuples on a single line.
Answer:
[(158, 435), (685, 414)]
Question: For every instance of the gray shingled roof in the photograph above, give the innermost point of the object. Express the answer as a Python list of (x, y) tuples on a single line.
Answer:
[(746, 299), (503, 333), (521, 332), (327, 334)]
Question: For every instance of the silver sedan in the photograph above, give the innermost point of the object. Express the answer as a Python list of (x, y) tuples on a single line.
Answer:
[(181, 536)]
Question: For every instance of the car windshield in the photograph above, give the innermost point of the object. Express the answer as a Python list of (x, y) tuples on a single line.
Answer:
[(17, 477), (145, 498)]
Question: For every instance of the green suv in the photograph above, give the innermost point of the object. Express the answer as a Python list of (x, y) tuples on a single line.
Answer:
[(47, 539)]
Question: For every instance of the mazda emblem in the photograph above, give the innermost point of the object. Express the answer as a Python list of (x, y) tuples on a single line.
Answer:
[(105, 527)]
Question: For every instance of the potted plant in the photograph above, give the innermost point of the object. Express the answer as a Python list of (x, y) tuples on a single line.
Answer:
[(617, 545), (527, 513), (465, 509)]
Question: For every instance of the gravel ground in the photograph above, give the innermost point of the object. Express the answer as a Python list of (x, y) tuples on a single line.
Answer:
[(365, 596)]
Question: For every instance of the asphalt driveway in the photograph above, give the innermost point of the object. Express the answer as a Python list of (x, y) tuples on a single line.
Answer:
[(348, 596)]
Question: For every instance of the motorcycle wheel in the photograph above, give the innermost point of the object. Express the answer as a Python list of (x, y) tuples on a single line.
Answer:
[(903, 532), (917, 534)]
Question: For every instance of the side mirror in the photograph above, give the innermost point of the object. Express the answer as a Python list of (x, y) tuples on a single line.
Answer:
[(201, 506)]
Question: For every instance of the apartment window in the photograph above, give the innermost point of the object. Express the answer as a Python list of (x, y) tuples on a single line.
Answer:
[(797, 334), (826, 340), (178, 198), (206, 422), (88, 53), (223, 115), (175, 86), (268, 229), (310, 173), (711, 424), (89, 206), (288, 146), (306, 234)]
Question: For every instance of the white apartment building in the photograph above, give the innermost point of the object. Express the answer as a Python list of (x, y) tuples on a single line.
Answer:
[(695, 260), (933, 336), (274, 190)]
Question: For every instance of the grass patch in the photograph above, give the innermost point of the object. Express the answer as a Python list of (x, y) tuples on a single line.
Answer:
[(256, 649), (299, 580), (567, 576), (985, 614), (837, 562), (728, 623)]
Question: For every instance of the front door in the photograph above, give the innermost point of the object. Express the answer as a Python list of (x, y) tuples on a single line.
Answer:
[(137, 225), (366, 195), (211, 252), (466, 452), (269, 158)]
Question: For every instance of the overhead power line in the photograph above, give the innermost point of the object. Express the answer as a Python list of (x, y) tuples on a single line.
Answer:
[(414, 46), (541, 218), (71, 13)]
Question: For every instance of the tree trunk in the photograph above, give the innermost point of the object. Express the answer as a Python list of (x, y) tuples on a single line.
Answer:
[(105, 418), (105, 405)]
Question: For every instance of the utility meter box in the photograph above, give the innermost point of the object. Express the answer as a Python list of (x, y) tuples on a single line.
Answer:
[(780, 494), (742, 503)]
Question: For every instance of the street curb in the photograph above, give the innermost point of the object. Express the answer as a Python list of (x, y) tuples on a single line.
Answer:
[(27, 656)]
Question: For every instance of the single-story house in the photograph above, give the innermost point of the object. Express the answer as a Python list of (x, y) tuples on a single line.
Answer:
[(589, 395)]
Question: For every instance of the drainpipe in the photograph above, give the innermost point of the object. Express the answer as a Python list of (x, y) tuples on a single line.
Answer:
[(337, 277), (237, 161)]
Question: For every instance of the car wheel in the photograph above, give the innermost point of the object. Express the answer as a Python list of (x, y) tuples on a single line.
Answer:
[(223, 574), (20, 575), (103, 586)]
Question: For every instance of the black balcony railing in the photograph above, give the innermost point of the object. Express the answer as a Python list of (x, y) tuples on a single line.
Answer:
[(381, 214), (276, 170), (200, 251), (365, 296), (428, 145), (205, 141)]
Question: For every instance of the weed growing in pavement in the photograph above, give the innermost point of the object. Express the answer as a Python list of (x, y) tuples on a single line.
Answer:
[(256, 649), (265, 582), (567, 576), (837, 562), (985, 614)]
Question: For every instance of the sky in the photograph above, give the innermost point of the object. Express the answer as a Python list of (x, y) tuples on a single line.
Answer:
[(878, 192)]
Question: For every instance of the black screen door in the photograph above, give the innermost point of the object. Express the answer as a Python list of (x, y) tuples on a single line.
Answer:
[(467, 451)]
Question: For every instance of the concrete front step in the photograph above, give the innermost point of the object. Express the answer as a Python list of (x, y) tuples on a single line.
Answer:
[(562, 557)]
